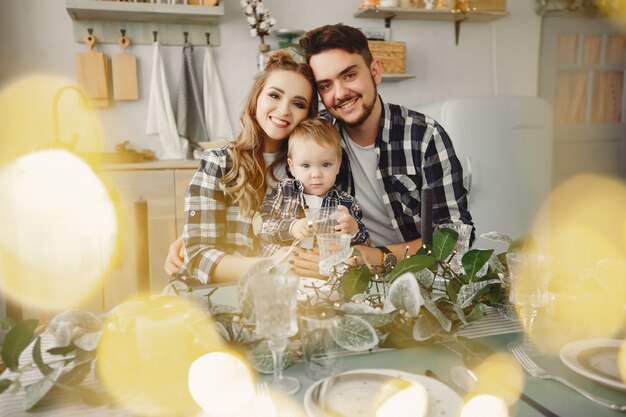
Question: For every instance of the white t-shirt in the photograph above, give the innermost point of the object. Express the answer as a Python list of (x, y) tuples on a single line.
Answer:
[(369, 192)]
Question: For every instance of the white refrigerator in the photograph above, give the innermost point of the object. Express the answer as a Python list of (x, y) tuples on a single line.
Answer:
[(505, 146)]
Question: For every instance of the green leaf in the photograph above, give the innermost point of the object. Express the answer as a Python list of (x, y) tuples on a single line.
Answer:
[(477, 312), (444, 242), (376, 317), (355, 334), (443, 320), (15, 341), (497, 237), (474, 260), (355, 281), (425, 327), (76, 375), (495, 294), (6, 323), (260, 357), (38, 390), (63, 350), (453, 289), (404, 294), (469, 292), (43, 368), (413, 264), (4, 384), (524, 243)]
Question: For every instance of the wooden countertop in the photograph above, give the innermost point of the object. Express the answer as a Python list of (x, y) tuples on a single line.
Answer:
[(152, 165)]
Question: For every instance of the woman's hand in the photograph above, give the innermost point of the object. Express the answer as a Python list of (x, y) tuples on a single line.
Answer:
[(175, 256), (300, 229), (347, 223), (305, 262)]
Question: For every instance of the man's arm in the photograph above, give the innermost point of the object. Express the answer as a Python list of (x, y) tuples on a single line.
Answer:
[(373, 256)]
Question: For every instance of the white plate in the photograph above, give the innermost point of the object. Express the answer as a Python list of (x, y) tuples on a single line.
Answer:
[(596, 359), (356, 396)]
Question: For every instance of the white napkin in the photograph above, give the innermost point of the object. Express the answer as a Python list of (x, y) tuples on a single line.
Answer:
[(161, 120), (216, 115)]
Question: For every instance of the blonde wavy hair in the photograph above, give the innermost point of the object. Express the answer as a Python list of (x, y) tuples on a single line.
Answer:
[(246, 181)]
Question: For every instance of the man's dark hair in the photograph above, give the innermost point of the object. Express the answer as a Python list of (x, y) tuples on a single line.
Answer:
[(337, 36)]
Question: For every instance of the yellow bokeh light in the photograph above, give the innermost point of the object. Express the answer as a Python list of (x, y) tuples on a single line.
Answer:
[(499, 375), (614, 10), (400, 397), (58, 228), (26, 117), (221, 384), (582, 227), (146, 350), (485, 405)]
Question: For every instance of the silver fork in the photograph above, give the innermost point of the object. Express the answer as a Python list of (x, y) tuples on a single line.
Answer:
[(538, 372), (264, 404)]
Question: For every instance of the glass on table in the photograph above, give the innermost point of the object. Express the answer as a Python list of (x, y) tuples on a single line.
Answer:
[(529, 276), (275, 305), (321, 353), (334, 250)]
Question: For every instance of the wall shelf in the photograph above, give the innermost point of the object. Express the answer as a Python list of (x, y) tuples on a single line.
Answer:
[(455, 15), (106, 18), (397, 77)]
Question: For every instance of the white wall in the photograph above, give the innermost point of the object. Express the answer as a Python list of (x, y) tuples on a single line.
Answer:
[(499, 58)]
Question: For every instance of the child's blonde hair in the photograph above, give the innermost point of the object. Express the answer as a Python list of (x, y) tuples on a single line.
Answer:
[(318, 130)]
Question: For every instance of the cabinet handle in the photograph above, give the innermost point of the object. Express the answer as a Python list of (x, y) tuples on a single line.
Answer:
[(141, 245)]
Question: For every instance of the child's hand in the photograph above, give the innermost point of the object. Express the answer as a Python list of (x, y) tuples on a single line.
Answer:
[(300, 229), (347, 224)]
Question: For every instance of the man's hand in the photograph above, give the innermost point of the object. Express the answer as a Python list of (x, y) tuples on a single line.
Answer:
[(369, 255), (300, 229), (346, 223), (175, 256)]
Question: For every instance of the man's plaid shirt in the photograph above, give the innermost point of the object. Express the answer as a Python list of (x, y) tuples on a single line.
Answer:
[(413, 150), (286, 204)]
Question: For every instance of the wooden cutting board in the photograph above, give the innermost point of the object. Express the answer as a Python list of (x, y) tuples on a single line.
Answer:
[(124, 66), (92, 70)]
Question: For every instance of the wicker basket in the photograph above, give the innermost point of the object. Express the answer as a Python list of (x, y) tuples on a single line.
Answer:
[(482, 5), (392, 56)]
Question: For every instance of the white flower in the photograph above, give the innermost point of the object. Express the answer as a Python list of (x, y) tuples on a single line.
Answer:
[(263, 26), (253, 32), (251, 20), (249, 9), (260, 8), (243, 3), (272, 22)]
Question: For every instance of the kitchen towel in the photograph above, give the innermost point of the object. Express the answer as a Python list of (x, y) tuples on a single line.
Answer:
[(190, 106), (161, 120), (215, 111)]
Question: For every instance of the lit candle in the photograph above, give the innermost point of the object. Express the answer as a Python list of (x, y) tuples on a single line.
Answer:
[(427, 215)]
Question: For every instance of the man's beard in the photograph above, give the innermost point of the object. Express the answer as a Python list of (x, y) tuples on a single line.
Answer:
[(367, 110)]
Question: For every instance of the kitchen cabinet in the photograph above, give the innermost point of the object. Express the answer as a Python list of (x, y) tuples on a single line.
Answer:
[(149, 201), (150, 207), (140, 19), (406, 13)]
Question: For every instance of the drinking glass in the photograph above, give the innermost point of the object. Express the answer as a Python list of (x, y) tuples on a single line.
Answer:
[(324, 219), (321, 353), (275, 305), (529, 274), (334, 250)]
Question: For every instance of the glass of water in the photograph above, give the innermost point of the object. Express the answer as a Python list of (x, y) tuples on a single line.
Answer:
[(275, 305)]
